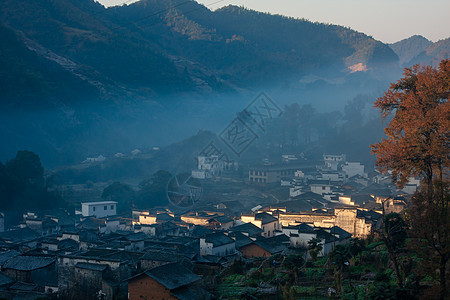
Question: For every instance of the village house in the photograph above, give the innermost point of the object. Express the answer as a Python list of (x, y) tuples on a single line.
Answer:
[(268, 223), (360, 200), (217, 244), (247, 229), (299, 235), (316, 218), (327, 240), (39, 270), (274, 173), (45, 226), (353, 168), (394, 204), (23, 237), (265, 247), (149, 219), (208, 167), (170, 281), (336, 176), (73, 235), (90, 281), (320, 186), (99, 209), (357, 222), (221, 223), (332, 162), (120, 266), (155, 258), (6, 255), (411, 186), (93, 224)]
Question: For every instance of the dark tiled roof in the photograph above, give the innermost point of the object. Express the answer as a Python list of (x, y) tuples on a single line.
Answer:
[(222, 219), (163, 256), (249, 228), (164, 217), (91, 267), (173, 275), (4, 256), (265, 217), (302, 228), (341, 232), (215, 259), (368, 215), (93, 223), (28, 263), (271, 248), (5, 280), (201, 231), (190, 292), (362, 199), (135, 237), (322, 234), (68, 244), (241, 240), (377, 190), (278, 239), (22, 286), (18, 235), (218, 239)]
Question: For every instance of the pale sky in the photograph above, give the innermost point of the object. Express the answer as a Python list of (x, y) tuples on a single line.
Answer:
[(386, 20)]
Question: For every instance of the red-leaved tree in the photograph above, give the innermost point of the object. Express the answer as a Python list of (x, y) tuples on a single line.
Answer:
[(417, 144)]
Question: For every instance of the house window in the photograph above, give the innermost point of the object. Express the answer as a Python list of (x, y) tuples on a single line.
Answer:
[(93, 208), (105, 207), (112, 207)]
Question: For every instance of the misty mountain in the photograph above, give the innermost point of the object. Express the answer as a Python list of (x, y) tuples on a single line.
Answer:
[(28, 78), (156, 47), (79, 79), (409, 48), (434, 53), (418, 50)]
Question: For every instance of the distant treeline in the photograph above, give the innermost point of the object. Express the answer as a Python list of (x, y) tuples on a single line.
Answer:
[(23, 186)]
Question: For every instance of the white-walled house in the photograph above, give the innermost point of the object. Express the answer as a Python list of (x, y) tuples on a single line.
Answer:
[(353, 168), (411, 186), (99, 209), (333, 161), (217, 244), (268, 223), (320, 186), (299, 235)]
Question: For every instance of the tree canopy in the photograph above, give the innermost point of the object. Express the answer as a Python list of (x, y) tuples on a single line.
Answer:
[(417, 139), (23, 186)]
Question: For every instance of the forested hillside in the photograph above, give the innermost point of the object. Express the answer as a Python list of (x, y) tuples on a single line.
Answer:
[(156, 47)]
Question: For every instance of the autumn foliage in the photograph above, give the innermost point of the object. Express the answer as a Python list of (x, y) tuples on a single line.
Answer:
[(417, 140), (417, 144)]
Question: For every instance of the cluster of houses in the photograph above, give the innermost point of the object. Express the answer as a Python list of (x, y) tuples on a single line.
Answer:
[(159, 254), (211, 166)]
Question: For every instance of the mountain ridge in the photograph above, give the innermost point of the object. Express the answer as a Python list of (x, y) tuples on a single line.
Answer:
[(161, 47), (419, 50)]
